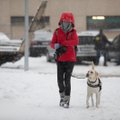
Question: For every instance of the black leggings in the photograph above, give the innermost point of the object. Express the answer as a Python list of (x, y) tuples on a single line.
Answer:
[(64, 71)]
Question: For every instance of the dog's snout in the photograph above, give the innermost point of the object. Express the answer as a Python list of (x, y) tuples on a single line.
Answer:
[(87, 75)]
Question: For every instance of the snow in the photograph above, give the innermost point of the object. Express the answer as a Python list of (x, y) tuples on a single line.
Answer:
[(88, 33), (33, 94), (42, 35), (3, 38)]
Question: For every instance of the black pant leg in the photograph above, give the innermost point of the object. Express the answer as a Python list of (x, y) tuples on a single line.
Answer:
[(97, 57), (68, 72), (105, 57), (60, 76)]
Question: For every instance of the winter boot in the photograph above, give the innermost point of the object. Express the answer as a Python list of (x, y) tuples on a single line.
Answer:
[(62, 96), (66, 101)]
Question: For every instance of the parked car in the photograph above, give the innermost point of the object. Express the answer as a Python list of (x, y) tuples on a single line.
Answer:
[(86, 48), (40, 42), (50, 54), (9, 49), (114, 50)]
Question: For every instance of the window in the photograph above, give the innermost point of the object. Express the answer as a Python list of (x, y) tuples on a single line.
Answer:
[(19, 20), (44, 20), (104, 22)]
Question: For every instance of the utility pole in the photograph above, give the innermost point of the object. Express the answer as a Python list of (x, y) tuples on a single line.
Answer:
[(26, 60)]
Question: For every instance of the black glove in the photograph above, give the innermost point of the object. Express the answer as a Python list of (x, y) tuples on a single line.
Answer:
[(59, 51)]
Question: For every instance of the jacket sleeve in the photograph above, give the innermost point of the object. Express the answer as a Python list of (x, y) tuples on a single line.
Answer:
[(106, 40), (73, 42), (54, 40)]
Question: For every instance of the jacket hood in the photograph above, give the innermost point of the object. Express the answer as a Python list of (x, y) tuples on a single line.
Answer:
[(67, 17)]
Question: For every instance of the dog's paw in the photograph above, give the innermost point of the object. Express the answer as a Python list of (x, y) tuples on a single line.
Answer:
[(87, 106), (97, 106)]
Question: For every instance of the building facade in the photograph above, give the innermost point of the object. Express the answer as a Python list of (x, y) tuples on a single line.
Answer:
[(89, 15)]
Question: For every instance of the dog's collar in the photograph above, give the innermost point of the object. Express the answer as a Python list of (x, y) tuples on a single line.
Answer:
[(92, 81), (94, 86)]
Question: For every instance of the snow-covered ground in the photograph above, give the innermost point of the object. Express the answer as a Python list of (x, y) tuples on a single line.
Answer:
[(33, 94)]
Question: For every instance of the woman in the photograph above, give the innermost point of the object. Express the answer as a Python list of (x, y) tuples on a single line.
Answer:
[(65, 40)]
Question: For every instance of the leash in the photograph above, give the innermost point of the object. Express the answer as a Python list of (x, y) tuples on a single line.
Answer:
[(81, 76)]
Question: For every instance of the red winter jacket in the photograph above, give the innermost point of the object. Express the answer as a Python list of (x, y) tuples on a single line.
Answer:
[(69, 40)]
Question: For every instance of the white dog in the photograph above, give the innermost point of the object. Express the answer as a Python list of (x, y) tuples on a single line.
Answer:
[(93, 87)]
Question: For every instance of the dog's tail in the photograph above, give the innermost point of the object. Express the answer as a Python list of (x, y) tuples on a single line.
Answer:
[(93, 65)]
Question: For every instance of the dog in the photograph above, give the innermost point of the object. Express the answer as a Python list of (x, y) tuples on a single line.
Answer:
[(94, 86)]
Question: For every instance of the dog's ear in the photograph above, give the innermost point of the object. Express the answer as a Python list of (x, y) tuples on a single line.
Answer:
[(97, 75), (93, 66)]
